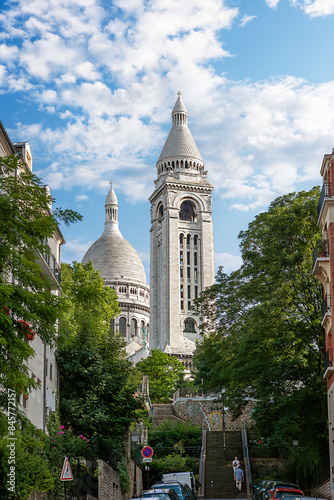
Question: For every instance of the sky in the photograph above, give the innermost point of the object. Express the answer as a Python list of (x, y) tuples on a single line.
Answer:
[(91, 85)]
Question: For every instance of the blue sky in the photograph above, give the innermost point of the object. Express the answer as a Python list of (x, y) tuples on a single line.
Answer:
[(91, 84)]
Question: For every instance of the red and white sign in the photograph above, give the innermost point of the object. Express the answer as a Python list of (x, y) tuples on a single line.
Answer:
[(66, 473), (147, 452)]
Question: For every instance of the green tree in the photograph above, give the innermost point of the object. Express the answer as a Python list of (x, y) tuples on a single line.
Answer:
[(165, 373), (170, 441), (95, 399), (26, 301), (269, 345)]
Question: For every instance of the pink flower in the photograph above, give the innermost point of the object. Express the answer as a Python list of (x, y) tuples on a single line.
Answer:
[(61, 432), (69, 430), (87, 440), (81, 436), (62, 427)]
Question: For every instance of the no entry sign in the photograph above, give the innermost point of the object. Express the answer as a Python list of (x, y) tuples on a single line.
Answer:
[(147, 452)]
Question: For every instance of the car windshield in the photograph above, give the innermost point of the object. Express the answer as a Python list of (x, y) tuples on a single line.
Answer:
[(155, 495), (278, 494), (175, 487)]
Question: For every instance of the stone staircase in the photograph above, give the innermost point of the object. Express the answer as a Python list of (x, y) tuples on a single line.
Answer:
[(162, 412), (219, 482)]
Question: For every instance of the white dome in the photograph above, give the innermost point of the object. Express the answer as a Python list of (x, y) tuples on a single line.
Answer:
[(111, 254), (115, 258)]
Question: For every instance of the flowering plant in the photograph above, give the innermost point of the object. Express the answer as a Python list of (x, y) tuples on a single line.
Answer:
[(30, 334)]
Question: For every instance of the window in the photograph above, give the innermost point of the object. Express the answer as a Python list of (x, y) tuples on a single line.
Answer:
[(50, 371), (46, 367), (181, 257), (122, 327), (189, 326), (195, 258), (187, 211), (112, 325), (134, 327)]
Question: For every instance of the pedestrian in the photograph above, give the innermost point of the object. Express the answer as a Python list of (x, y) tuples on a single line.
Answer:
[(239, 477), (235, 464)]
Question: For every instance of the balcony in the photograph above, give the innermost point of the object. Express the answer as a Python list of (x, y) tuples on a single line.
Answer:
[(321, 261), (328, 364), (326, 193), (326, 307), (50, 268)]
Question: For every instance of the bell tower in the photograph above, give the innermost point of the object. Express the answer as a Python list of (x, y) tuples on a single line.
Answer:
[(182, 254)]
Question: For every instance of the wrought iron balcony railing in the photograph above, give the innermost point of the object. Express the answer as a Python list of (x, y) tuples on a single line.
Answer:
[(328, 363), (326, 192), (326, 305), (321, 250)]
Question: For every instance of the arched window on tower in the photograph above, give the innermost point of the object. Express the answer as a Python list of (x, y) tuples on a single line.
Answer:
[(189, 326), (187, 211), (122, 326)]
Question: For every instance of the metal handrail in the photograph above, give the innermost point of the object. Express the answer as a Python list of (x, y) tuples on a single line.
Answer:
[(248, 476), (326, 192)]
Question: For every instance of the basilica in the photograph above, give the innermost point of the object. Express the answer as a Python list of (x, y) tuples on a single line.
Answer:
[(181, 253)]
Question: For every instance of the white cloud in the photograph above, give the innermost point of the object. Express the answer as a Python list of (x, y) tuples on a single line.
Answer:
[(272, 3), (246, 19), (229, 262), (74, 250), (318, 7), (82, 197)]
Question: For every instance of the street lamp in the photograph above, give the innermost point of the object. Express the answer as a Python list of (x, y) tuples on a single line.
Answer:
[(295, 443), (135, 439)]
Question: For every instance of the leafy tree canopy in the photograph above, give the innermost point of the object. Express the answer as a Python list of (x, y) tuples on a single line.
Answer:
[(95, 399), (165, 373), (27, 305), (269, 345)]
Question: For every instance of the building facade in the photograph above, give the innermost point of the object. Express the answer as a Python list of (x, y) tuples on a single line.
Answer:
[(122, 269), (323, 270), (38, 403), (181, 243)]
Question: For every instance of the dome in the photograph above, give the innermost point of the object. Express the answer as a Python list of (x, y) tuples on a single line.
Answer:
[(111, 254), (180, 142)]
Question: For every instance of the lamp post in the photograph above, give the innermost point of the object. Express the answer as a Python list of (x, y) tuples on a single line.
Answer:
[(135, 439), (295, 443)]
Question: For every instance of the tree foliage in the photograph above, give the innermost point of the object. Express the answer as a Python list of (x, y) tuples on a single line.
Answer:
[(26, 302), (165, 373), (95, 399), (269, 344)]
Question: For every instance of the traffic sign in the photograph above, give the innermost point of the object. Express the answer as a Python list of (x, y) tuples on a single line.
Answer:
[(147, 452), (66, 473), (147, 459)]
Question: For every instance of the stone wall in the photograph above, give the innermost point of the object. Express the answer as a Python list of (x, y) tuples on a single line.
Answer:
[(38, 495), (109, 487), (197, 409), (323, 490)]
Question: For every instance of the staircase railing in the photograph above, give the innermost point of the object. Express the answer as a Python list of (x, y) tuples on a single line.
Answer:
[(202, 465), (248, 477)]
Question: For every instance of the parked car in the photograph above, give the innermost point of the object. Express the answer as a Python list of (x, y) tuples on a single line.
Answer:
[(268, 493), (293, 497), (259, 488), (179, 489), (159, 494), (182, 477), (278, 492)]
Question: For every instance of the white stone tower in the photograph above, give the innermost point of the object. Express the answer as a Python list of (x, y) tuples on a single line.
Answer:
[(182, 255)]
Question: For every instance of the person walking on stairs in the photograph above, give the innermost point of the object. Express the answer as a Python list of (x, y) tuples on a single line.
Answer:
[(239, 477), (235, 464)]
